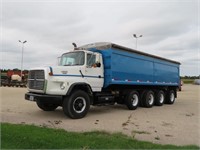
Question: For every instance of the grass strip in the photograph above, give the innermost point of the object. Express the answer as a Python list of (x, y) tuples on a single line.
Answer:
[(15, 136), (188, 81)]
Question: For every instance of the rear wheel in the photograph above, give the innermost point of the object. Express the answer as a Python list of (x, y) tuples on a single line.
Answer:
[(170, 98), (148, 99), (160, 98), (132, 100), (76, 105), (46, 106)]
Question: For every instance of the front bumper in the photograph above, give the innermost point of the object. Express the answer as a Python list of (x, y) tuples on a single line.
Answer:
[(50, 99)]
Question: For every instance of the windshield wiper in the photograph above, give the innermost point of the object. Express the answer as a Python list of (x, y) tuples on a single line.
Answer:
[(75, 64), (67, 65)]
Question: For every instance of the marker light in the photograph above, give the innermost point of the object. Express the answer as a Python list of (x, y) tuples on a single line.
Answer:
[(62, 86)]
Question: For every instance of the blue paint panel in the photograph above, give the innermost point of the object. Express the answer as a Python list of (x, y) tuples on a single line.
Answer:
[(166, 73), (122, 67), (131, 68)]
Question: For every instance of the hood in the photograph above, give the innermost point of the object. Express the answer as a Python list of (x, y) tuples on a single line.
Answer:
[(65, 70)]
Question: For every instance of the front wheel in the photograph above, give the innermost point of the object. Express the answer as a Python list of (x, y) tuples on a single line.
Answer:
[(46, 106), (76, 106)]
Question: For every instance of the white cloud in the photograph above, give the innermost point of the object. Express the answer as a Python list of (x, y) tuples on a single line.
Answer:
[(169, 28)]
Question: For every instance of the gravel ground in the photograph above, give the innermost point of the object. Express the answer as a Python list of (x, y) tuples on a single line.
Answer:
[(169, 124)]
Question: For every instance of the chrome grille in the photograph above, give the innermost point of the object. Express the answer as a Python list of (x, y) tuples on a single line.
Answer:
[(36, 79)]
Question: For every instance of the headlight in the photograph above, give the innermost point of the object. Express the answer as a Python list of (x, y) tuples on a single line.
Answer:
[(62, 86)]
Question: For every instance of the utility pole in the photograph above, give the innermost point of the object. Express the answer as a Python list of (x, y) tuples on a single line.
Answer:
[(22, 56), (136, 37)]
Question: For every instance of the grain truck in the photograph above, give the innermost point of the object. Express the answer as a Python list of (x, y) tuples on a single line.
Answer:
[(102, 74)]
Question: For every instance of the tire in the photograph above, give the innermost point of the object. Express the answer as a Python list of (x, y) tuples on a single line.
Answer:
[(76, 106), (170, 98), (132, 100), (46, 106), (148, 99), (160, 98)]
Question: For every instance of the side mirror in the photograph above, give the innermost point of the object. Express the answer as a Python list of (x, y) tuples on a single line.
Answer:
[(98, 64), (95, 65)]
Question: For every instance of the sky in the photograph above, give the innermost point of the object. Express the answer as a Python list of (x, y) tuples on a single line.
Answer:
[(170, 29)]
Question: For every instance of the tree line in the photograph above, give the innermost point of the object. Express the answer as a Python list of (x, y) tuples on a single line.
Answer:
[(190, 77)]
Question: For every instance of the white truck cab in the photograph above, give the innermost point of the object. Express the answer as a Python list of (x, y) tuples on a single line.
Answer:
[(75, 67), (78, 69)]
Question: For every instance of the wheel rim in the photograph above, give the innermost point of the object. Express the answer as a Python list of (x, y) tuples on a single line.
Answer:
[(79, 104), (151, 99), (134, 100), (172, 97), (161, 98)]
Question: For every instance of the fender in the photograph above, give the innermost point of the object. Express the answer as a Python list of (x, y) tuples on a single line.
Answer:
[(80, 85)]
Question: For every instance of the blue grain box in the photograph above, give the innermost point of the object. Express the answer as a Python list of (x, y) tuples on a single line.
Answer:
[(127, 66)]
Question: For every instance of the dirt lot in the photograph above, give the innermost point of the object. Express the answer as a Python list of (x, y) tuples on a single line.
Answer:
[(177, 124)]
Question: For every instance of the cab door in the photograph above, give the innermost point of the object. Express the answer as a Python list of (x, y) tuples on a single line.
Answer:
[(94, 71)]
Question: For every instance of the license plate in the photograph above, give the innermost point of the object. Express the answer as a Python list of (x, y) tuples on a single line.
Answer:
[(31, 98)]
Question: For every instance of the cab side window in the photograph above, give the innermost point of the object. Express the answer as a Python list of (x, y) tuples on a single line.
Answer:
[(91, 59)]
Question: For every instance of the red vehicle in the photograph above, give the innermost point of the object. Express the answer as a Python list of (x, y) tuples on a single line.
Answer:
[(13, 78)]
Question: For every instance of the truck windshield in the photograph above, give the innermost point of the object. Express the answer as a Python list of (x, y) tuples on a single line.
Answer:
[(72, 59)]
